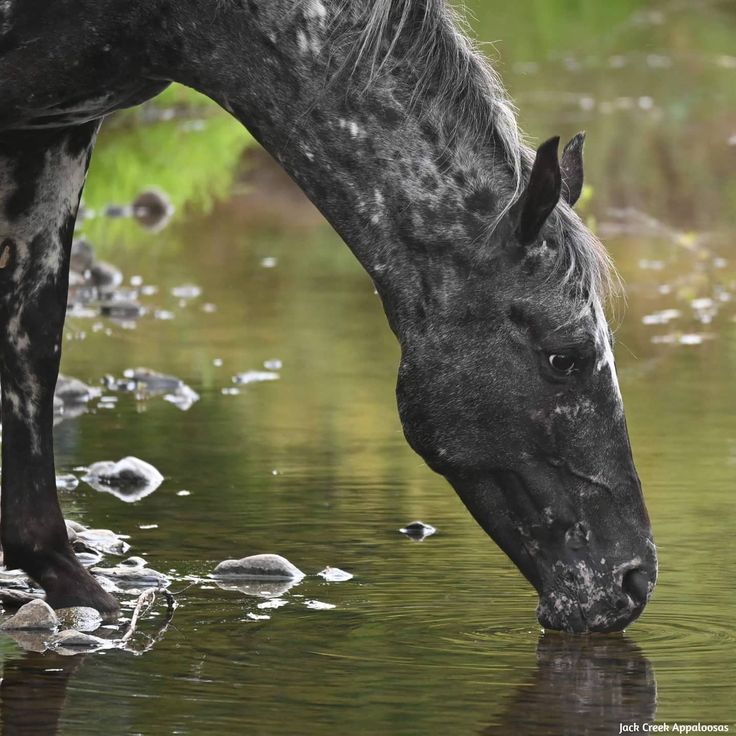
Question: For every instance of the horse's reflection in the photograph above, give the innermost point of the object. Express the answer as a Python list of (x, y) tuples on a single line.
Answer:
[(582, 685), (33, 692)]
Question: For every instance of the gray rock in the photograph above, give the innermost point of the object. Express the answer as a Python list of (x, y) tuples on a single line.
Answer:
[(80, 618), (83, 256), (129, 479), (73, 391), (36, 614), (153, 209), (67, 482), (133, 573), (258, 567), (74, 526), (86, 557), (105, 276), (103, 540), (74, 642), (13, 598), (14, 579), (152, 382)]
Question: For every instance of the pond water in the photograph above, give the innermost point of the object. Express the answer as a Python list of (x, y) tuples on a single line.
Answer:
[(438, 636)]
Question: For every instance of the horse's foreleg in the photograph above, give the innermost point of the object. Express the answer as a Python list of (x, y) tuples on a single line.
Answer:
[(41, 179)]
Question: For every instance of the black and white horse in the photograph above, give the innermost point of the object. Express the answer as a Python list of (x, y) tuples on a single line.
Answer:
[(403, 137)]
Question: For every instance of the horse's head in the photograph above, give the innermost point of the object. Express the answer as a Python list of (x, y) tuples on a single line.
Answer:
[(509, 390)]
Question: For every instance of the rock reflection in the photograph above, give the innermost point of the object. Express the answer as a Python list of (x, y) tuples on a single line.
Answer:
[(582, 685), (33, 692)]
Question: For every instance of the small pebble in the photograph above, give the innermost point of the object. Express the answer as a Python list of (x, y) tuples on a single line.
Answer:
[(418, 530)]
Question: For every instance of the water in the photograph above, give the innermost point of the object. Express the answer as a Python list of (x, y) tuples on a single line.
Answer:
[(429, 637)]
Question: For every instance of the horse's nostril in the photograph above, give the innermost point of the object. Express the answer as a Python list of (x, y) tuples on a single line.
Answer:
[(636, 584), (577, 536)]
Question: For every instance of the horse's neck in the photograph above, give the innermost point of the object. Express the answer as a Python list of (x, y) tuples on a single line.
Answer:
[(411, 200)]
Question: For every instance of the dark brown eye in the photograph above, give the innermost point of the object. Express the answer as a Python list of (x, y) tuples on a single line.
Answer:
[(562, 363)]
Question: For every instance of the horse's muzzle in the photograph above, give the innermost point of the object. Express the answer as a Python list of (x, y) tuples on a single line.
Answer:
[(582, 597)]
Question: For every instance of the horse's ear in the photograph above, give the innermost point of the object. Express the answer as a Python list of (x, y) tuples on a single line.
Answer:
[(572, 169), (542, 193)]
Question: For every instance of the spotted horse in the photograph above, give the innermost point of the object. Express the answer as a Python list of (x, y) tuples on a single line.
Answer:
[(401, 133)]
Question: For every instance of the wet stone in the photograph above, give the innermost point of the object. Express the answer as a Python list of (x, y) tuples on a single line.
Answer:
[(255, 377), (418, 530), (129, 479), (105, 276), (258, 567), (37, 614), (82, 256), (335, 575), (66, 482), (153, 209), (74, 526), (103, 540), (73, 391), (80, 618), (70, 641), (132, 573)]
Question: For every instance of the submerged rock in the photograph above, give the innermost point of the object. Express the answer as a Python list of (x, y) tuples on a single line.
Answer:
[(79, 618), (256, 588), (418, 530), (130, 479), (37, 614), (258, 567)]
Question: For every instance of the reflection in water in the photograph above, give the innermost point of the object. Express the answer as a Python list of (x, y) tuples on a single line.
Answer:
[(582, 685), (33, 692)]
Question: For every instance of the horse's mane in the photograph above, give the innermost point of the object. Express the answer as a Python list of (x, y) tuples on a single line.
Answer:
[(432, 35)]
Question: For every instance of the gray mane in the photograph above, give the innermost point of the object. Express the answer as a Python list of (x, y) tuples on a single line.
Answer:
[(432, 35)]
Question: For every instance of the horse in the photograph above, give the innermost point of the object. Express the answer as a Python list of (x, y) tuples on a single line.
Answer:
[(391, 121)]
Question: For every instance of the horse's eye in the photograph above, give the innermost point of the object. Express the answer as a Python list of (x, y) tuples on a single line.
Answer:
[(562, 363)]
